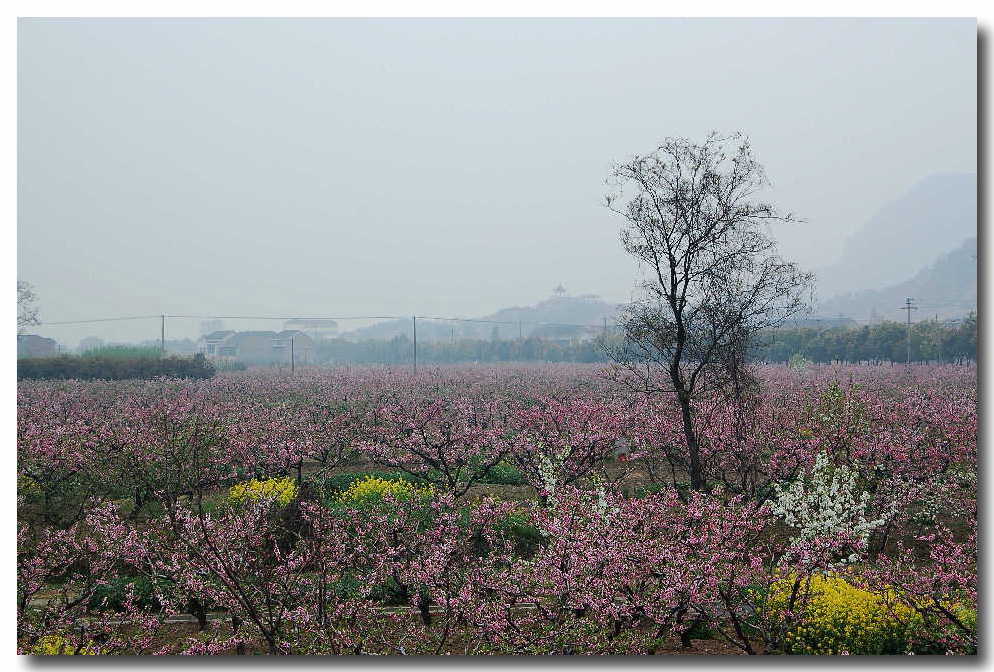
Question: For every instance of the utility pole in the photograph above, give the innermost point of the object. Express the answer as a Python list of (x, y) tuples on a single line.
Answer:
[(291, 355), (519, 330), (415, 319), (162, 337), (909, 306), (605, 327)]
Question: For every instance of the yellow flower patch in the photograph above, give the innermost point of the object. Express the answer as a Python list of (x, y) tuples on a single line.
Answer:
[(57, 645), (840, 618), (371, 490), (281, 491), (28, 486)]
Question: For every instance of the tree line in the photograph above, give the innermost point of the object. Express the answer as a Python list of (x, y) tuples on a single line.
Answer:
[(114, 366), (883, 342), (400, 350)]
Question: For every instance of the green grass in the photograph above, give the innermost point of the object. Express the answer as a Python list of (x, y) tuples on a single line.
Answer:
[(503, 474), (330, 487), (122, 352)]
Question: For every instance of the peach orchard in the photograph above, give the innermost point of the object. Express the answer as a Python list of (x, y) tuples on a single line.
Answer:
[(479, 510)]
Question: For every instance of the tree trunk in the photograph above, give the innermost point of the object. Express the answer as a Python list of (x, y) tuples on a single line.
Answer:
[(197, 607), (693, 448), (424, 608)]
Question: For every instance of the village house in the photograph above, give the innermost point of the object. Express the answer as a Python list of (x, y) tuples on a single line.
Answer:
[(258, 347), (208, 344), (33, 345), (315, 328)]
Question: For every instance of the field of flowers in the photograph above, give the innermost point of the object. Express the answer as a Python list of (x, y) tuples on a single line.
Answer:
[(514, 510)]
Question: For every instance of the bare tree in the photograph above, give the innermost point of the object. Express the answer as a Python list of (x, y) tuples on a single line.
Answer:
[(694, 221), (27, 311)]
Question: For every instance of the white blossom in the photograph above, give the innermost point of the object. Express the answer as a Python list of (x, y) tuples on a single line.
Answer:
[(827, 503), (549, 468)]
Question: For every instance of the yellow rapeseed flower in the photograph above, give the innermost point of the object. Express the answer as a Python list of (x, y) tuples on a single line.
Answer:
[(281, 491), (371, 490), (57, 645), (27, 486), (841, 617)]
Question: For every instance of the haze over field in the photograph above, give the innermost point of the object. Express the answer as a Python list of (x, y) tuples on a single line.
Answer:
[(456, 167), (497, 337)]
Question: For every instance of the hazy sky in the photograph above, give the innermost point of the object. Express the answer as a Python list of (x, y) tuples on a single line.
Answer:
[(450, 167)]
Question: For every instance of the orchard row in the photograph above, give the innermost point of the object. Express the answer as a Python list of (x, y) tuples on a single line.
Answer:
[(355, 511)]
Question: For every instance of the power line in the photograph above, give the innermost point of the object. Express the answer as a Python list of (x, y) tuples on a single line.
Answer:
[(381, 317), (909, 306), (511, 322), (294, 317), (420, 317), (297, 317), (100, 319)]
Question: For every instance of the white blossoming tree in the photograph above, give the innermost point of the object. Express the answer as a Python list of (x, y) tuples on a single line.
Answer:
[(825, 504)]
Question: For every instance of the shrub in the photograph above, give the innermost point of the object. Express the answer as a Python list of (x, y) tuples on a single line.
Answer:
[(389, 593), (229, 365), (371, 490), (503, 474), (113, 367), (123, 352), (28, 487), (329, 488), (839, 618), (343, 481), (827, 504), (57, 645), (281, 491), (649, 489), (526, 536), (113, 595)]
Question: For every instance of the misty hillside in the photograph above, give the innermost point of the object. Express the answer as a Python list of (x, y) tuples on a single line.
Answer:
[(947, 289), (934, 217), (561, 310)]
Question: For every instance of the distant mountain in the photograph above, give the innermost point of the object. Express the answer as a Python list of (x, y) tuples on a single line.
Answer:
[(947, 289), (934, 217), (556, 311)]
